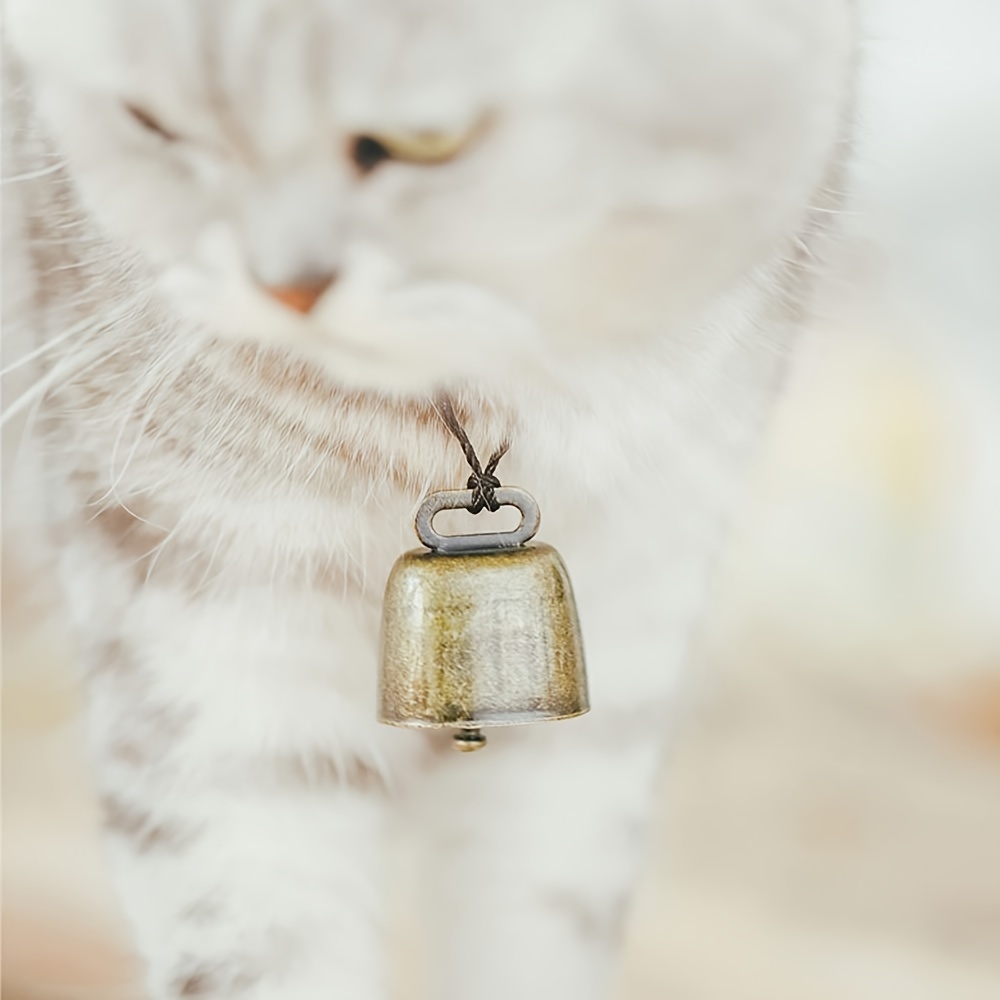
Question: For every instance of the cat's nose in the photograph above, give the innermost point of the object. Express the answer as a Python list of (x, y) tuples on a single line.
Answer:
[(303, 295)]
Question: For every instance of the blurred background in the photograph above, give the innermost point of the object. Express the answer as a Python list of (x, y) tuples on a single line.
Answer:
[(829, 826)]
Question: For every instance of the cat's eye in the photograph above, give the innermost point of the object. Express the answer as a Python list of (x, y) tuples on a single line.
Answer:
[(151, 123), (422, 147)]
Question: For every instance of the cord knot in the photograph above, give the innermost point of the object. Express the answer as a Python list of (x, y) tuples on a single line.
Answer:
[(482, 482), (483, 485)]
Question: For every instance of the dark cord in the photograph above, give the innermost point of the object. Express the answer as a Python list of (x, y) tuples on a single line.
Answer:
[(482, 482)]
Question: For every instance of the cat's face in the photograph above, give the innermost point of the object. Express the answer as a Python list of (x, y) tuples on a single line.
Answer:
[(450, 173)]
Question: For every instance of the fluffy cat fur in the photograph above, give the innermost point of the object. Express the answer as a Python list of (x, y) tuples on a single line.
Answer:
[(608, 271)]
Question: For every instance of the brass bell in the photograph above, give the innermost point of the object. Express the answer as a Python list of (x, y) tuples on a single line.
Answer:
[(480, 630)]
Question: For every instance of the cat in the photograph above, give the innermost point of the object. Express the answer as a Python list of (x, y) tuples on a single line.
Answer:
[(251, 241)]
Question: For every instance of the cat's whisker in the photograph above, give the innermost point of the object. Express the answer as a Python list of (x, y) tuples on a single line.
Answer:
[(807, 251), (85, 326), (56, 376), (34, 175), (823, 210), (204, 582), (145, 389), (152, 557), (75, 266), (316, 467), (169, 365)]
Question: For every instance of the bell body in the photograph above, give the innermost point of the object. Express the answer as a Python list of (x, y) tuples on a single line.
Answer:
[(480, 638)]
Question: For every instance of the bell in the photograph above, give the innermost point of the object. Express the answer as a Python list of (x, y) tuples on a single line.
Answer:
[(480, 630)]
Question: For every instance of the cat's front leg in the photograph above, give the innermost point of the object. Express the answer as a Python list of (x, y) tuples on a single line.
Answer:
[(535, 846), (243, 797), (536, 840)]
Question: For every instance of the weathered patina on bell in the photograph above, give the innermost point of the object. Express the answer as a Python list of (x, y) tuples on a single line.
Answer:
[(480, 630)]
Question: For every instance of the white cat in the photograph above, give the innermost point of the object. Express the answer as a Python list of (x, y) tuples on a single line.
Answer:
[(256, 236)]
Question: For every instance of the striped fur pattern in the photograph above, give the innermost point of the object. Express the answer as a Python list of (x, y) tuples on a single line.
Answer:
[(608, 272)]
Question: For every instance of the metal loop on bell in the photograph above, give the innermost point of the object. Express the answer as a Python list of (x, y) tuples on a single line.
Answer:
[(506, 496)]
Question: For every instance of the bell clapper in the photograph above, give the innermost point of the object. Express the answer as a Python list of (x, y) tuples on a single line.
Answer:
[(467, 740)]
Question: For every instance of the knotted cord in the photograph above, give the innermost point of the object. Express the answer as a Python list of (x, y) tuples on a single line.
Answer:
[(482, 482)]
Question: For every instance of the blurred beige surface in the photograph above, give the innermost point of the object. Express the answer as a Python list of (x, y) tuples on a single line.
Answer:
[(62, 935)]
